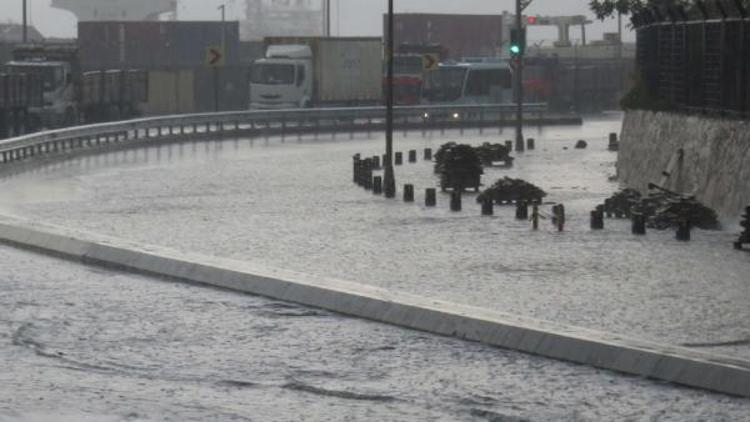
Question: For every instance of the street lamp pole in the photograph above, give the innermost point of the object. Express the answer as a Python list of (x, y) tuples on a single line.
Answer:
[(25, 23), (389, 179), (519, 76), (223, 9)]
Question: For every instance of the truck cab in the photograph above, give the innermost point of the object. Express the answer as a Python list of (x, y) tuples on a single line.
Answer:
[(283, 79)]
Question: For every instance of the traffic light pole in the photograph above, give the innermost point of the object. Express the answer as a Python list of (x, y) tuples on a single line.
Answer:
[(519, 76)]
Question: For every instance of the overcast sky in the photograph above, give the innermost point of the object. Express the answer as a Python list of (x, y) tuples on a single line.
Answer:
[(355, 17)]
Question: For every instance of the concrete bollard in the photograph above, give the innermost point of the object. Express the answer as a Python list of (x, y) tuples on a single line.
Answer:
[(522, 210), (408, 193), (456, 201), (488, 207), (614, 145), (683, 231), (399, 158), (377, 185), (639, 224), (430, 197), (428, 154), (530, 144), (413, 156)]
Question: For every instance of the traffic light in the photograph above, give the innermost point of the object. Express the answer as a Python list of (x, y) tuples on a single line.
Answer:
[(517, 41), (532, 20)]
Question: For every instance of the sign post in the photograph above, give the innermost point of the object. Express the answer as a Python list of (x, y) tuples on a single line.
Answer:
[(215, 59)]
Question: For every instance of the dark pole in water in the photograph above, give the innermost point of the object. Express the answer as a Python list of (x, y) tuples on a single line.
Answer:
[(389, 177)]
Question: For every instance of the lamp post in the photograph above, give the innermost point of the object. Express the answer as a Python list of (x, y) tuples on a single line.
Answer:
[(389, 179), (217, 101), (25, 23)]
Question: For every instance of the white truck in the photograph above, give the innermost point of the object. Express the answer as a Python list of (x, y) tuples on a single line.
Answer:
[(300, 72)]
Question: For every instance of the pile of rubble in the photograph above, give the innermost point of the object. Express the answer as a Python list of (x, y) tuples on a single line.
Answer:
[(664, 210), (508, 190)]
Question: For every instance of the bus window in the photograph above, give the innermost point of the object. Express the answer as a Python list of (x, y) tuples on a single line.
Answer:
[(481, 82)]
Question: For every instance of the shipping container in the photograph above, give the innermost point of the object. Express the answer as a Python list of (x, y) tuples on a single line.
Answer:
[(154, 45), (459, 35), (170, 92)]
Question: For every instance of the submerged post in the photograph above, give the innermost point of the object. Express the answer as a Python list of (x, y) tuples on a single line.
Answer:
[(389, 176)]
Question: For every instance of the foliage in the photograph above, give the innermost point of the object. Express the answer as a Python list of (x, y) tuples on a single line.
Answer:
[(641, 98), (458, 165), (607, 8), (507, 189), (491, 153)]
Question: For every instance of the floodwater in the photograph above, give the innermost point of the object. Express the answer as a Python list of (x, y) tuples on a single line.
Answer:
[(80, 343), (180, 352)]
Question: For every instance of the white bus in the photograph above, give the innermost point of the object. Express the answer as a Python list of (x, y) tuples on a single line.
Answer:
[(469, 83)]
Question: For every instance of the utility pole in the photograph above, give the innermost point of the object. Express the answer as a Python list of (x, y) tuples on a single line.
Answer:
[(389, 179), (25, 23), (519, 74), (223, 9), (328, 18)]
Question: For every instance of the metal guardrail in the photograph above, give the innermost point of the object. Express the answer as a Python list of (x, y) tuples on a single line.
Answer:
[(295, 121)]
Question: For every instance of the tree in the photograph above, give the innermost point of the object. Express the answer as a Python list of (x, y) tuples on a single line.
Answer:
[(606, 8)]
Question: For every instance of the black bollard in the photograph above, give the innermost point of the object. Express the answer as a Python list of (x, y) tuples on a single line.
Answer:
[(430, 197), (367, 174), (597, 218), (377, 185), (745, 235), (376, 162), (408, 193), (509, 145), (399, 158), (535, 217), (356, 168), (614, 145), (522, 210), (683, 231), (488, 206), (639, 224), (428, 154), (456, 201), (413, 156), (530, 144), (520, 147), (558, 219)]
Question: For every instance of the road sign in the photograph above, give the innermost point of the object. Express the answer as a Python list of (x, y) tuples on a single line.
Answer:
[(215, 57), (430, 62)]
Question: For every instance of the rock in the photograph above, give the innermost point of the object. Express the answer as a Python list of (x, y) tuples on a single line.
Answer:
[(582, 144)]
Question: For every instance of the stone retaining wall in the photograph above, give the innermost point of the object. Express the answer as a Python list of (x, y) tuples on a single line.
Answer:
[(711, 157)]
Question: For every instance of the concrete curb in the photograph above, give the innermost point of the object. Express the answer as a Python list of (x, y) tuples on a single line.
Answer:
[(652, 360)]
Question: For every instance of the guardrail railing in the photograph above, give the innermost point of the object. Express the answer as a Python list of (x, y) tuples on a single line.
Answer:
[(271, 122)]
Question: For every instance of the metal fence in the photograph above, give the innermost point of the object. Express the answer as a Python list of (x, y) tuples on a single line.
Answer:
[(697, 60)]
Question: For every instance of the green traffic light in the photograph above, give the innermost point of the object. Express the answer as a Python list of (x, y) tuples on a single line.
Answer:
[(515, 49)]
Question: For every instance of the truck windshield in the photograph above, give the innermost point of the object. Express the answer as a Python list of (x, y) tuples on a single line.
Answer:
[(272, 74), (445, 84)]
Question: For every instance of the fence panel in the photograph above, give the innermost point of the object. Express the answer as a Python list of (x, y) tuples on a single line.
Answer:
[(697, 65)]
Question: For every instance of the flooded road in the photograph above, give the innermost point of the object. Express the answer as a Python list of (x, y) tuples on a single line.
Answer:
[(151, 350)]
